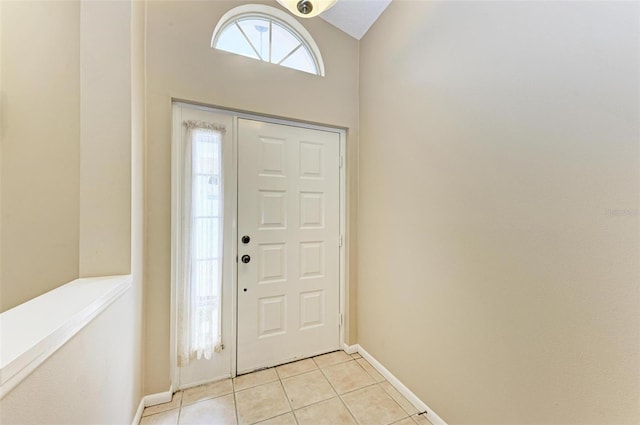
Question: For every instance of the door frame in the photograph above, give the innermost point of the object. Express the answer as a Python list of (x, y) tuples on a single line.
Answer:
[(233, 197)]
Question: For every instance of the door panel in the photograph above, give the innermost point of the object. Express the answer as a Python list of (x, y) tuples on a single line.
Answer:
[(288, 204)]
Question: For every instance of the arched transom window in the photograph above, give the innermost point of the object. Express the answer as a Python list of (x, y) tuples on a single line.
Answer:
[(270, 35)]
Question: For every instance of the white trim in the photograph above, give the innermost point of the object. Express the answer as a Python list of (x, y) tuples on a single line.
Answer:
[(256, 116), (234, 250), (349, 349), (138, 415), (152, 400), (33, 331), (158, 398), (343, 246), (176, 157), (406, 392), (283, 18)]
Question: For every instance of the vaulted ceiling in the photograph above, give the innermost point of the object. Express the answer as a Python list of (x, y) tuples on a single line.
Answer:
[(355, 17)]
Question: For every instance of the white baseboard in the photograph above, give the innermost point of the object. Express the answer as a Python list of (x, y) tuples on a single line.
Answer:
[(152, 400), (138, 416), (349, 349), (159, 398), (406, 392)]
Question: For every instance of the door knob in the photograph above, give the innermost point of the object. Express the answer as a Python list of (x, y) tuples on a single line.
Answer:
[(246, 239), (245, 259)]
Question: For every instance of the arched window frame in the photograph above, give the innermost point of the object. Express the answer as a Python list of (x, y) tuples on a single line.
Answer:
[(271, 13)]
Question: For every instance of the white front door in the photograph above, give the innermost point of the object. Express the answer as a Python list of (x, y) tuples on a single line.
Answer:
[(288, 243)]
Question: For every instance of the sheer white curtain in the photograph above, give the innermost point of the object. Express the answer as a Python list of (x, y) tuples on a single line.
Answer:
[(199, 285)]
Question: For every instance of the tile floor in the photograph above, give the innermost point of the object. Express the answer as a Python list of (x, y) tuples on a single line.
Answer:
[(332, 389)]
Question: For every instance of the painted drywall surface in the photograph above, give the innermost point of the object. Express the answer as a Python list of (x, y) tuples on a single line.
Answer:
[(105, 138), (112, 168), (40, 148), (87, 381), (181, 64), (137, 193), (499, 228), (66, 151)]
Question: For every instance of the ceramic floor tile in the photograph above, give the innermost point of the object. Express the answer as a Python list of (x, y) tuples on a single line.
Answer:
[(347, 376), (308, 388), (216, 411), (254, 379), (405, 421), (330, 412), (286, 419), (356, 356), (169, 417), (373, 406), (204, 392), (175, 402), (421, 419), (261, 402), (399, 398), (296, 368), (331, 358), (370, 370)]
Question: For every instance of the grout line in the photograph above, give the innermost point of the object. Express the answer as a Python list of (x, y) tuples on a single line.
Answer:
[(257, 371), (339, 398), (298, 373), (179, 410), (235, 403), (373, 368), (387, 394), (358, 389), (256, 386), (403, 398), (292, 411), (349, 410), (317, 402), (286, 395)]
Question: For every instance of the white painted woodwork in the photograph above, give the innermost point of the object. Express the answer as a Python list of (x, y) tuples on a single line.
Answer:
[(288, 203)]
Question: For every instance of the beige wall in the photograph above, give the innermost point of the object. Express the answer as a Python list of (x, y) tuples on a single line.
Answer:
[(40, 149), (66, 145), (499, 193), (181, 64), (138, 12), (75, 66), (105, 138)]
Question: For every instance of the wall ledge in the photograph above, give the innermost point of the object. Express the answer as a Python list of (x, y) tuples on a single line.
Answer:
[(33, 331)]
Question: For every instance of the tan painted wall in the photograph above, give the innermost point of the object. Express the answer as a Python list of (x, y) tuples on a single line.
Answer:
[(66, 145), (40, 148), (181, 64), (138, 16), (96, 377), (105, 138), (499, 193)]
